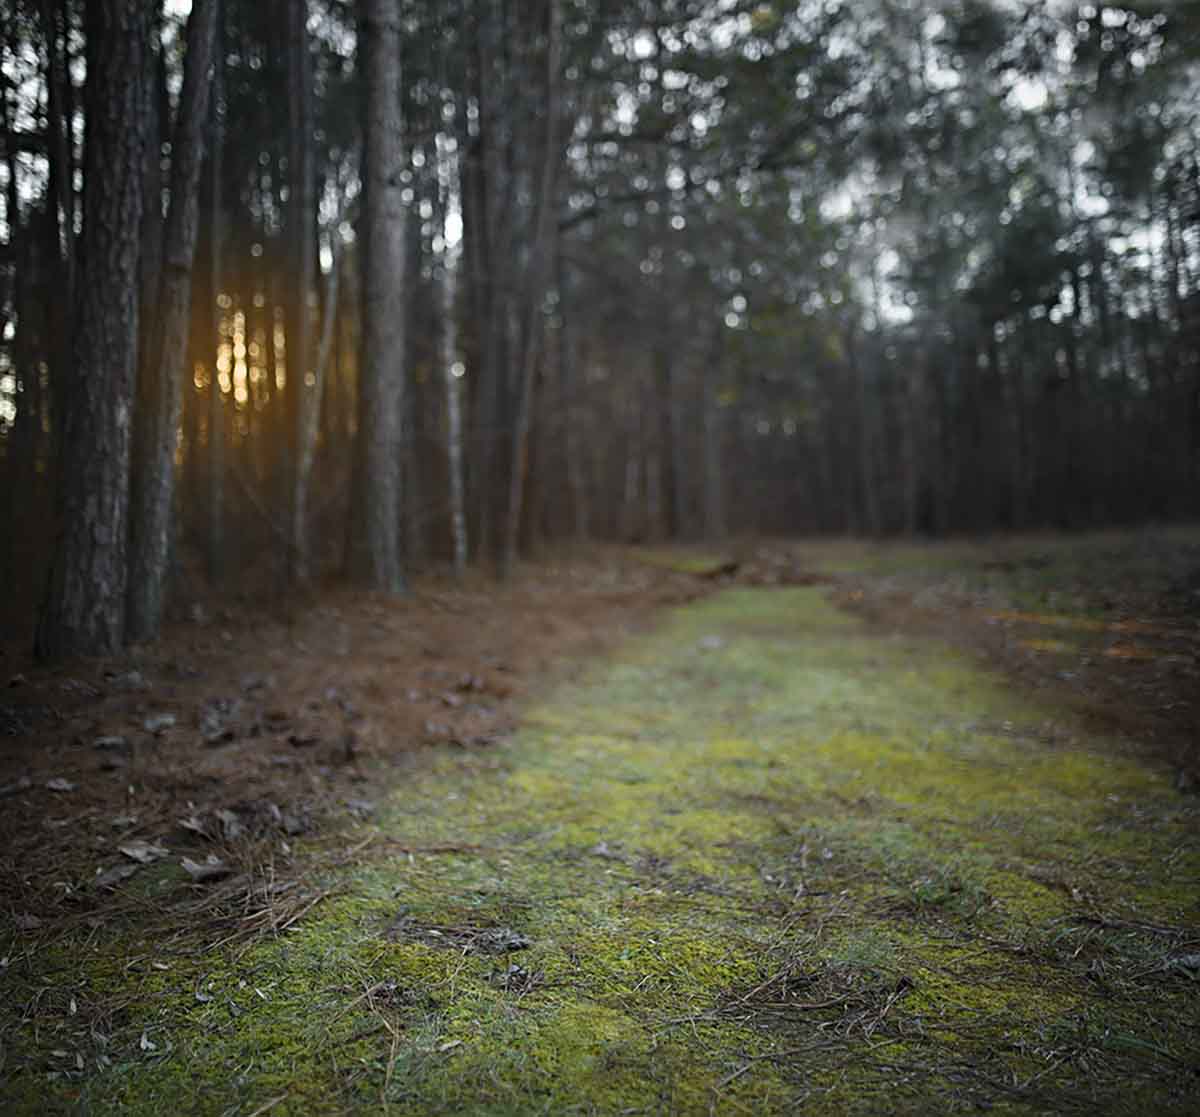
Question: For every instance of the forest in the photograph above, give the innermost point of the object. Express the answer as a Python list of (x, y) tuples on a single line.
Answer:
[(656, 270), (599, 557)]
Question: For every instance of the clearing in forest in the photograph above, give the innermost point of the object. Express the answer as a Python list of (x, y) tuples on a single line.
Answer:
[(766, 858)]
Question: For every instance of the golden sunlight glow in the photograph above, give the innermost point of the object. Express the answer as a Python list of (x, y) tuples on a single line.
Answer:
[(224, 351), (241, 390)]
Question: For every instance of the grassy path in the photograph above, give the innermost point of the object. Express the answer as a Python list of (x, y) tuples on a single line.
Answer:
[(763, 857)]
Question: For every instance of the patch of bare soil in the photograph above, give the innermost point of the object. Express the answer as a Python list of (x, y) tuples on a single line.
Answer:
[(188, 769)]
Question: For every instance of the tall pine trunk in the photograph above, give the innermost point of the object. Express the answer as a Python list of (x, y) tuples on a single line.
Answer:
[(303, 397), (541, 255), (84, 608), (215, 490), (60, 199), (166, 361), (714, 502), (60, 190), (374, 552), (452, 368)]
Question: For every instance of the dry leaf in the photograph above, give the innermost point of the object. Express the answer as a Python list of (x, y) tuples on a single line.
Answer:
[(115, 875), (231, 825), (16, 787), (210, 868), (110, 742), (143, 852), (158, 723)]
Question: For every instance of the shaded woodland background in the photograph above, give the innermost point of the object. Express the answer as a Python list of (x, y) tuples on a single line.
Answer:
[(643, 269)]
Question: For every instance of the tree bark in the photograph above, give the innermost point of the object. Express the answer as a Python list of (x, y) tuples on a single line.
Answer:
[(866, 434), (539, 270), (316, 394), (84, 609), (59, 188), (452, 368), (414, 518), (374, 554), (215, 535), (303, 397), (570, 382), (60, 196), (155, 492), (714, 503)]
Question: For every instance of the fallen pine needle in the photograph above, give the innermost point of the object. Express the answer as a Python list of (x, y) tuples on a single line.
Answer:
[(267, 1105)]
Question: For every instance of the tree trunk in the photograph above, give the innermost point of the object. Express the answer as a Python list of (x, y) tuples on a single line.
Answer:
[(571, 381), (910, 418), (84, 609), (872, 513), (539, 271), (59, 187), (61, 198), (303, 397), (452, 367), (491, 228), (374, 556), (316, 396), (631, 490), (714, 504), (167, 358), (60, 190), (143, 471), (215, 534), (414, 519), (477, 266)]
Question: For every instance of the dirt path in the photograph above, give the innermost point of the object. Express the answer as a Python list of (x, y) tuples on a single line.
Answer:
[(762, 857)]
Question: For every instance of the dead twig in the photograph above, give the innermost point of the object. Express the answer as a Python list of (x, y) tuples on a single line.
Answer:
[(1111, 923), (267, 1105)]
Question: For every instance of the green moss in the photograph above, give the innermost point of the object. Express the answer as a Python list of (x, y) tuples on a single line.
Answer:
[(761, 858)]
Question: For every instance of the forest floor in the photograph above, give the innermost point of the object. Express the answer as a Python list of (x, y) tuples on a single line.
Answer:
[(840, 828)]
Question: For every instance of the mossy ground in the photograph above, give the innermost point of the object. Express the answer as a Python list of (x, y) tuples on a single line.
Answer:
[(763, 859)]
